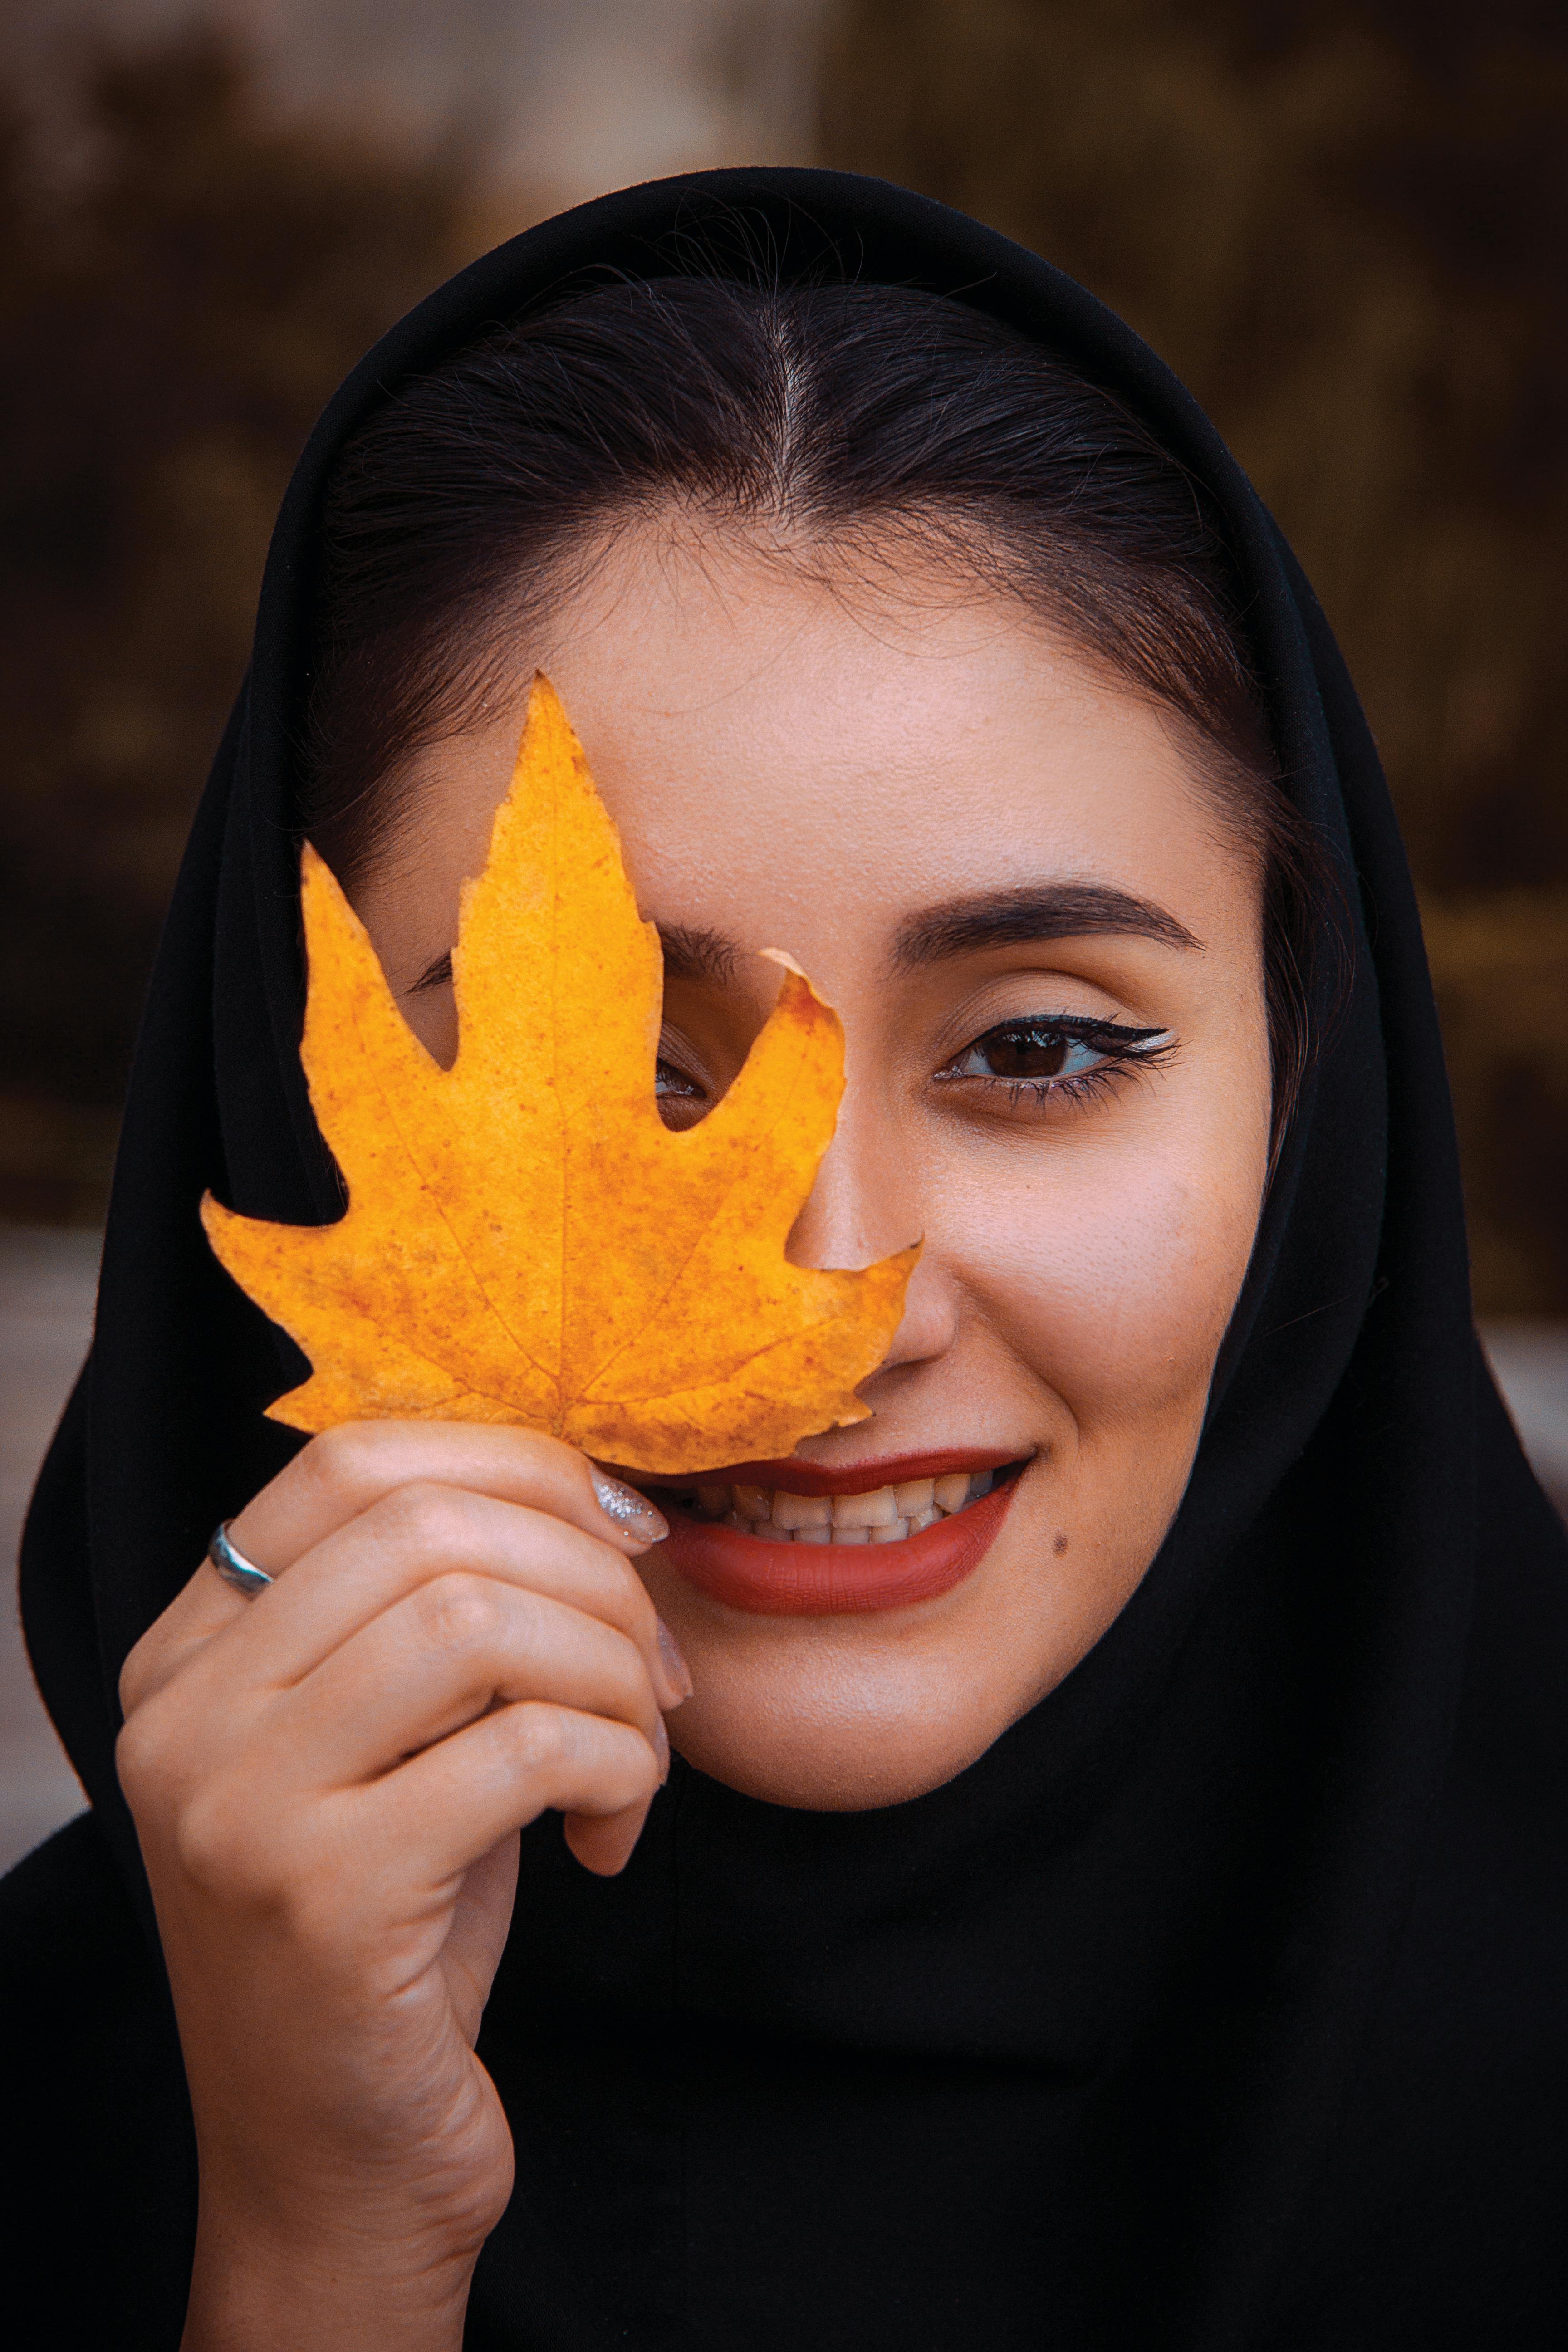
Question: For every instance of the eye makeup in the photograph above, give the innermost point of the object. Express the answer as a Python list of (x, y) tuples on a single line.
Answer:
[(1064, 1056)]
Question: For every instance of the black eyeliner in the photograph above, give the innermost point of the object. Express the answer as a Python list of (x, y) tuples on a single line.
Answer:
[(1082, 1028), (1071, 1024)]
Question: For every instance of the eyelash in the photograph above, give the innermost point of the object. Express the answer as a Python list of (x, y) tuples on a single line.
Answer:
[(1126, 1051)]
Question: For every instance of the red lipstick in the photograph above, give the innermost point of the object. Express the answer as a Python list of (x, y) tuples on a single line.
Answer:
[(777, 1580)]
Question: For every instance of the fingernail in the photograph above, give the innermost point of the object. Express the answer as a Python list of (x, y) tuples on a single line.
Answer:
[(631, 1512), (675, 1666), (661, 1748)]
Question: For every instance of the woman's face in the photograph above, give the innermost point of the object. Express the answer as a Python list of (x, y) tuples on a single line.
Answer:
[(991, 859)]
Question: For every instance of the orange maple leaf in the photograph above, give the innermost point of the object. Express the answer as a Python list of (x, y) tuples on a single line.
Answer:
[(525, 1240)]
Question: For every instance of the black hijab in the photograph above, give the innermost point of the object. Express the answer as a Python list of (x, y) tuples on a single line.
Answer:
[(1223, 2002)]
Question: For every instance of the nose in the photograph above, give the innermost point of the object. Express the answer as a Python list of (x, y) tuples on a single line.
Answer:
[(865, 1205)]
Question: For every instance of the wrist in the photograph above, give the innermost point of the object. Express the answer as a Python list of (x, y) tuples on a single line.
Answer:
[(352, 2289)]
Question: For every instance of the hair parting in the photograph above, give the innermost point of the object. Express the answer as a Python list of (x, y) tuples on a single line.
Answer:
[(836, 425)]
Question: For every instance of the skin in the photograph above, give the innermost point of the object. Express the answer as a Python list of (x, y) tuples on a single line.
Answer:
[(329, 1781)]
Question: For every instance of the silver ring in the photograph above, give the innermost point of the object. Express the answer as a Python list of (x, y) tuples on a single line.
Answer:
[(233, 1566)]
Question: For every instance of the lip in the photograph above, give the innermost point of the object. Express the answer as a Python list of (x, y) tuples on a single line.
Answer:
[(774, 1579), (793, 1476)]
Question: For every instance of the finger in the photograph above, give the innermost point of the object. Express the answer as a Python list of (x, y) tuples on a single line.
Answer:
[(606, 1846), (410, 1538), (406, 1535), (448, 1652), (342, 1474), (451, 1804), (203, 1607)]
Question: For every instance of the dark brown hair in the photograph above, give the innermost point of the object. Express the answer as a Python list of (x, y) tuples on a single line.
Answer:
[(857, 418)]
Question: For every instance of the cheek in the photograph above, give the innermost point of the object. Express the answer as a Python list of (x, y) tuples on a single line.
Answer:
[(1111, 1275)]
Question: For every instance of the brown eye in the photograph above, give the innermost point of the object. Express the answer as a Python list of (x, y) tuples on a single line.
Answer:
[(1044, 1053), (1026, 1050), (681, 1101), (1025, 1053)]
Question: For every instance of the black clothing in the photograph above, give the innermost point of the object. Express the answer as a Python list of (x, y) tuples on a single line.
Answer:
[(1223, 2003)]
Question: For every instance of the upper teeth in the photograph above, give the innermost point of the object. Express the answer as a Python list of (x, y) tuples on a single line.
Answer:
[(886, 1514)]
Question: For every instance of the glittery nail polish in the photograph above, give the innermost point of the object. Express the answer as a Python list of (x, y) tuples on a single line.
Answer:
[(631, 1512)]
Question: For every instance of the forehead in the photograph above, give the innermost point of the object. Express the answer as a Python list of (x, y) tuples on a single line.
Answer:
[(768, 730), (800, 753)]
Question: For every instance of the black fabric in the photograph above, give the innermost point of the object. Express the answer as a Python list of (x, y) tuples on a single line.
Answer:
[(1224, 2001), (100, 2199)]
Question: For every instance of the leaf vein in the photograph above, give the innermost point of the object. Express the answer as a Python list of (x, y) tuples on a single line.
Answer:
[(656, 1306), (434, 1198)]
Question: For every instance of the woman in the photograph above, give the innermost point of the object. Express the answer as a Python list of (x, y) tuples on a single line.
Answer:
[(1152, 1934)]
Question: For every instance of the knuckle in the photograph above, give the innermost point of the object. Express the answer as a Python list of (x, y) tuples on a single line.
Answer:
[(421, 1516), (218, 1847), (545, 1738), (143, 1763), (343, 1461), (460, 1611)]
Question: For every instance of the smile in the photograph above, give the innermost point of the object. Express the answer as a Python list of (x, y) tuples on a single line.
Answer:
[(837, 1542)]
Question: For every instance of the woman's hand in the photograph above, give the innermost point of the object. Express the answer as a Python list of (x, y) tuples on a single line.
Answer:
[(328, 1783)]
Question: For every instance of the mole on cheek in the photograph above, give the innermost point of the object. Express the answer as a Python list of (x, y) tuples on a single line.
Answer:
[(1059, 1546)]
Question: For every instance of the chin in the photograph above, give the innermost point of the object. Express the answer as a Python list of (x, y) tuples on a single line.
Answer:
[(848, 1677), (820, 1608), (814, 1745)]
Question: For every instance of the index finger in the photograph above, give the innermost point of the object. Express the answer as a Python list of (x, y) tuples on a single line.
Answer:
[(342, 1474), (347, 1471)]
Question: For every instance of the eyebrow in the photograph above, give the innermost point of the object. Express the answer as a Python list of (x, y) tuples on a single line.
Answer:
[(1034, 910), (992, 919), (697, 955), (687, 955)]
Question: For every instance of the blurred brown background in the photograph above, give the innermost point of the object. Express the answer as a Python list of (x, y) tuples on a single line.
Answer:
[(1347, 226)]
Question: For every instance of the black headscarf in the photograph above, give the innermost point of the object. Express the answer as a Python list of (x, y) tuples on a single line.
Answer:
[(1224, 2001)]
